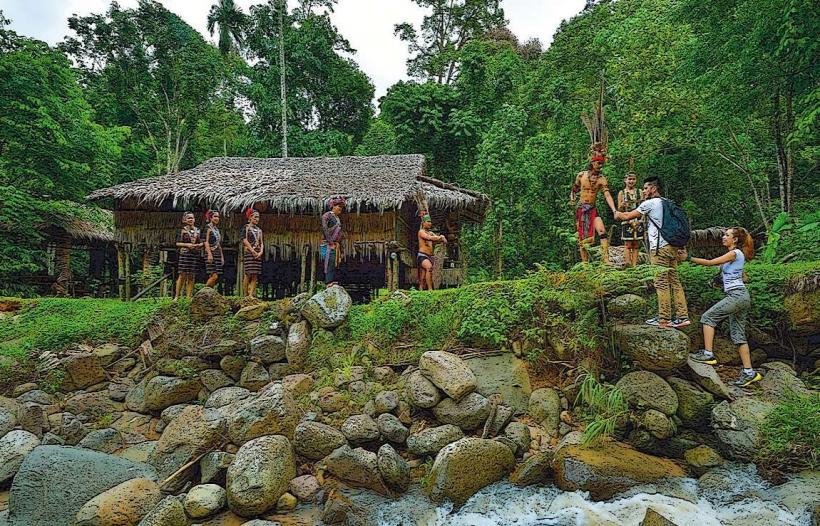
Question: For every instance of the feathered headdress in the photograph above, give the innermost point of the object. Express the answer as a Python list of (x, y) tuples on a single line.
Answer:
[(249, 212), (598, 134), (337, 201), (209, 214)]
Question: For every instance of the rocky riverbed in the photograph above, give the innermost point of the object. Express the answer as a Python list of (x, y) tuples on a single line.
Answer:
[(234, 430)]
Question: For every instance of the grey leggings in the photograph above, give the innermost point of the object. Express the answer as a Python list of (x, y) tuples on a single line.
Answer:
[(735, 306)]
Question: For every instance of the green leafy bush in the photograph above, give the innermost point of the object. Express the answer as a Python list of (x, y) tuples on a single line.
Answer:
[(791, 433), (601, 406)]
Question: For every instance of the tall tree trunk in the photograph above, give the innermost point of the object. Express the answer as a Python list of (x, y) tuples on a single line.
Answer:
[(282, 7), (785, 168)]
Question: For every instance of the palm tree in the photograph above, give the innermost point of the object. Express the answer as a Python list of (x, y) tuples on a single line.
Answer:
[(231, 21)]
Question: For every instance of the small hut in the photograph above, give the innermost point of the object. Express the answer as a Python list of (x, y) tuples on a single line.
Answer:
[(70, 228), (384, 194)]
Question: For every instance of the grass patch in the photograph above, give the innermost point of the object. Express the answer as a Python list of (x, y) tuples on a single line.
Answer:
[(54, 324), (600, 406), (791, 433)]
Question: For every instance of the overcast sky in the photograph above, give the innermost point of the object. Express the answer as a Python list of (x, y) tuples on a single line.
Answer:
[(367, 24)]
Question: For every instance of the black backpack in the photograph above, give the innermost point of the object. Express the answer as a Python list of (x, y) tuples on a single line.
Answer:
[(675, 226)]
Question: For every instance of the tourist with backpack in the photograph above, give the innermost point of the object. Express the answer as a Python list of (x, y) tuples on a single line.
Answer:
[(734, 306), (667, 231)]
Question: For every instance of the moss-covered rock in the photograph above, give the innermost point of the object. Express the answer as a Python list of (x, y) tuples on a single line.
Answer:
[(609, 469), (464, 467), (652, 348), (627, 307)]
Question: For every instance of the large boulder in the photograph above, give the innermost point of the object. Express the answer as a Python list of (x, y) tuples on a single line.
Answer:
[(421, 392), (194, 431), (7, 421), (706, 377), (14, 447), (646, 390), (92, 405), (260, 474), (449, 373), (227, 396), (357, 467), (315, 440), (803, 312), (327, 309), (298, 343), (83, 369), (165, 391), (464, 467), (738, 424), (694, 404), (468, 413), (134, 399), (268, 348), (214, 379), (431, 441), (777, 383), (608, 469), (271, 412), (391, 428), (254, 376), (208, 303), (123, 505), (69, 477), (545, 408), (652, 348)]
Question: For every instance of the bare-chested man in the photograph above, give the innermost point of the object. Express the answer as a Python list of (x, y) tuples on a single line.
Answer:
[(424, 259), (589, 183)]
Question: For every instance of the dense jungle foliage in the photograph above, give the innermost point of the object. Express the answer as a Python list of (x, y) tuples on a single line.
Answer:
[(720, 99)]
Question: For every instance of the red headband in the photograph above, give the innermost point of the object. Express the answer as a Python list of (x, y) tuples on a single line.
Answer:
[(599, 157), (249, 212)]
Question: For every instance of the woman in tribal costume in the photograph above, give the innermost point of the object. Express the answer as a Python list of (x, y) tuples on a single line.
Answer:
[(187, 243), (254, 249), (214, 258)]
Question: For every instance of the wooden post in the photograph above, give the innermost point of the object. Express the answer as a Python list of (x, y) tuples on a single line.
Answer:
[(303, 268), (314, 255), (240, 270), (128, 274), (120, 272), (163, 287)]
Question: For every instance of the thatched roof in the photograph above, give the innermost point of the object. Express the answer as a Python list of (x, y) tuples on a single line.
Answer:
[(299, 184), (81, 222)]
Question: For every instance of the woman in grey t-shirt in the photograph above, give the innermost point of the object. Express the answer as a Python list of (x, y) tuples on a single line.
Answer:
[(734, 306)]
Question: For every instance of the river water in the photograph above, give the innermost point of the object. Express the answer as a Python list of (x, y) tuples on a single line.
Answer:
[(734, 496)]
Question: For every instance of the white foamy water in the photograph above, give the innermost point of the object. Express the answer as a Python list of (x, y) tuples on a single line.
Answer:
[(733, 497)]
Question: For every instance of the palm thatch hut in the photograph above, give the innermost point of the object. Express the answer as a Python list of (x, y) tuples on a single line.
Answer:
[(384, 194), (71, 227)]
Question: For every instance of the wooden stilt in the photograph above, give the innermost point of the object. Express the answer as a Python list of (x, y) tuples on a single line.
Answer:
[(127, 254), (240, 271), (121, 272), (314, 255), (303, 268), (163, 287)]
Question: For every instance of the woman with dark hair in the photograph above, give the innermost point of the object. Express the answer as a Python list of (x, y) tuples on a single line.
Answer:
[(214, 258), (734, 306), (254, 248), (187, 243), (331, 247)]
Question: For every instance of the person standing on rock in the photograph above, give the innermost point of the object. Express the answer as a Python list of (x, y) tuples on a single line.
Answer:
[(331, 247), (662, 254), (734, 306), (632, 230), (187, 243), (588, 183), (424, 259), (214, 258), (254, 249)]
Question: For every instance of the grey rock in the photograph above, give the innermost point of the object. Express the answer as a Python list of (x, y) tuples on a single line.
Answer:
[(277, 371), (36, 396), (652, 348), (738, 424), (233, 365), (497, 421), (627, 307), (165, 391), (50, 439), (386, 402), (357, 467), (71, 429), (118, 390), (204, 500), (254, 376), (385, 375), (647, 390), (304, 487), (83, 369), (448, 372), (391, 428), (360, 429), (706, 377), (227, 396), (432, 440), (271, 412), (537, 469), (777, 383), (92, 405), (7, 421), (14, 447), (214, 379), (268, 348), (213, 467), (170, 413), (135, 399), (519, 433), (468, 413), (327, 309), (298, 343), (104, 440), (31, 418), (694, 404), (658, 424), (393, 468), (464, 467), (70, 477), (169, 512), (545, 408), (260, 474), (315, 440)]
